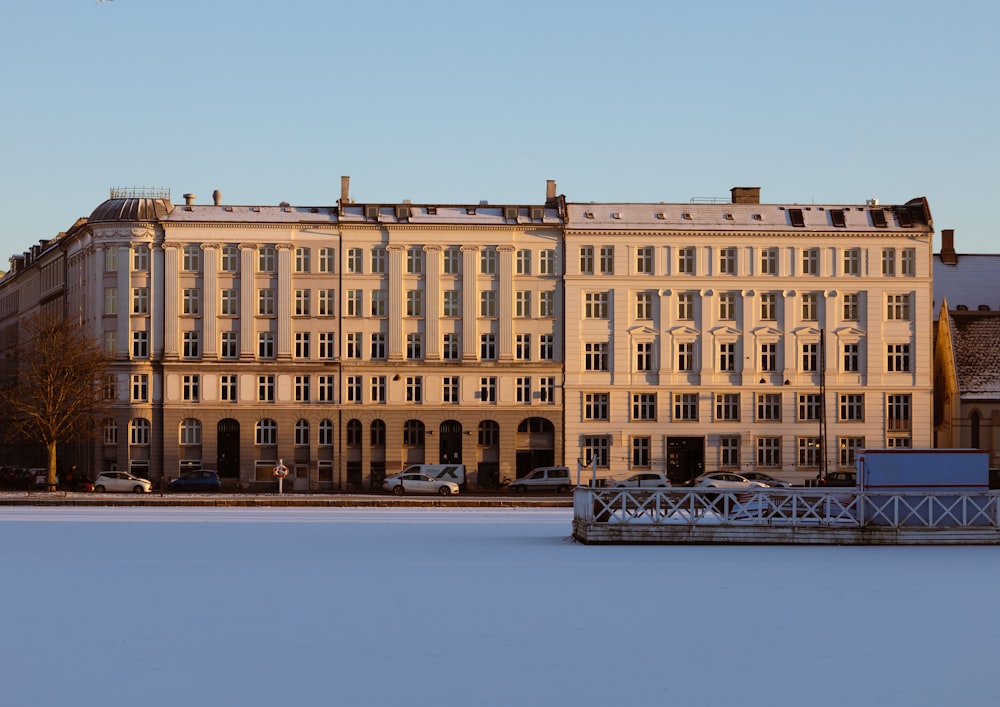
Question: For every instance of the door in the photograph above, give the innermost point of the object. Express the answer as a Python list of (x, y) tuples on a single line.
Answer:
[(228, 460), (685, 458)]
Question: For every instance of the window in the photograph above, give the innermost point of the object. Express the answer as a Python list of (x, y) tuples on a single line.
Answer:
[(302, 303), (324, 388), (378, 389), (727, 357), (139, 432), (452, 261), (452, 304), (685, 357), (768, 358), (449, 389), (111, 301), (378, 308), (810, 357), (487, 347), (488, 389), (229, 303), (355, 257), (301, 433), (488, 261), (378, 345), (547, 262), (596, 406), (587, 260), (769, 306), (727, 261), (898, 360), (325, 303), (769, 452), (852, 307), (450, 350), (595, 305), (686, 407), (191, 388), (414, 303), (413, 433), (644, 406), (265, 302), (352, 344), (597, 450), (266, 433), (228, 347), (109, 387), (810, 261), (595, 356), (729, 452), (352, 389), (352, 303), (140, 388), (522, 347), (769, 261), (898, 307), (898, 409), (140, 300), (644, 260), (522, 388), (302, 389), (644, 305), (191, 344), (140, 344), (607, 260), (810, 407), (267, 259), (414, 389), (326, 345), (522, 262), (889, 261), (640, 452), (547, 304), (849, 448), (325, 433), (110, 432), (547, 389), (546, 347), (326, 260), (908, 262), (487, 303), (265, 344), (852, 261), (727, 306), (191, 258), (265, 389), (414, 346), (809, 452), (852, 358), (852, 407), (140, 259), (230, 258), (378, 261), (227, 388), (685, 261), (414, 260), (685, 305), (352, 434), (302, 260), (768, 407), (644, 356), (810, 306), (727, 406), (302, 344), (522, 303), (489, 434)]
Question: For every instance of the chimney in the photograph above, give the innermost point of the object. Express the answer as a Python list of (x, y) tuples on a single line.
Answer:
[(948, 254), (217, 197), (189, 199), (550, 189), (745, 195), (345, 190)]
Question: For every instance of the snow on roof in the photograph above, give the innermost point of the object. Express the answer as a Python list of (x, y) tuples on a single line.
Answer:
[(202, 213), (971, 282), (974, 337)]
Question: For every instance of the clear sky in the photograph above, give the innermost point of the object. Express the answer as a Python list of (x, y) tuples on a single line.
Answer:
[(453, 102)]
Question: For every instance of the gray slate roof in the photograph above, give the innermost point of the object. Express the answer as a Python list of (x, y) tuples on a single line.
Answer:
[(976, 340), (973, 281)]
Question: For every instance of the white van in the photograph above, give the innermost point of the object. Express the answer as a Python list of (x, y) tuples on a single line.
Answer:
[(544, 478), (445, 472)]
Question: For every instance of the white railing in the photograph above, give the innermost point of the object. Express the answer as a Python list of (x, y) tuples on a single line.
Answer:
[(790, 507)]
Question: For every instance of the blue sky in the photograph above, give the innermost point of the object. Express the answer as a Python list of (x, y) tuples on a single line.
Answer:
[(455, 102)]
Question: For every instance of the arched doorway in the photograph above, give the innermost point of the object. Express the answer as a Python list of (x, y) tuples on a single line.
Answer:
[(536, 444), (450, 442), (227, 461)]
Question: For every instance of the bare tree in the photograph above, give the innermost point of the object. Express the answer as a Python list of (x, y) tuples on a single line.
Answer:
[(53, 394)]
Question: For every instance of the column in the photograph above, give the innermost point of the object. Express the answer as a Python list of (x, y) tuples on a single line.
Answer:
[(470, 302), (395, 302), (171, 276), (247, 295), (283, 293), (505, 306), (432, 303), (209, 301)]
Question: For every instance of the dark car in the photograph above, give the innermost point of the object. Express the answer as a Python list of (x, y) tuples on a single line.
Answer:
[(201, 480), (839, 478)]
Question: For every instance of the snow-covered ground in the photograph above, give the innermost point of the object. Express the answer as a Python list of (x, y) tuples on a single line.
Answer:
[(287, 607)]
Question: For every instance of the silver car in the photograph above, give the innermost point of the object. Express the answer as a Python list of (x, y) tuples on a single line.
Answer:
[(415, 482), (544, 478), (726, 480), (121, 481), (645, 480)]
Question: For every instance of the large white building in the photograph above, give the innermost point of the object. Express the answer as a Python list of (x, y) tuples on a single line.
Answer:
[(350, 340)]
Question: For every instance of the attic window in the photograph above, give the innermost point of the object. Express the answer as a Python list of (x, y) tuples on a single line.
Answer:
[(432, 211), (510, 213), (402, 212), (588, 214), (371, 212), (837, 217), (314, 210), (904, 217), (616, 215), (757, 217), (471, 211), (686, 216), (660, 215), (962, 308), (729, 217), (255, 209), (878, 218), (796, 218), (228, 208), (984, 308), (537, 214)]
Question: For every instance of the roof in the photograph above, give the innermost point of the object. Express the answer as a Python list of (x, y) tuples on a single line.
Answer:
[(132, 209), (974, 338), (973, 281)]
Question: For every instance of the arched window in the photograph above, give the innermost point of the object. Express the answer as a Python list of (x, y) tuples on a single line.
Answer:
[(489, 433), (190, 431), (325, 433), (354, 433), (302, 433), (974, 421), (267, 432), (413, 433), (378, 433), (139, 431)]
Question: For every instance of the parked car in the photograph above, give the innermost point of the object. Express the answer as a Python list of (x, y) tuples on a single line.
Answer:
[(645, 480), (40, 478), (725, 480), (121, 481), (839, 478), (765, 479), (544, 478), (415, 482), (201, 480)]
